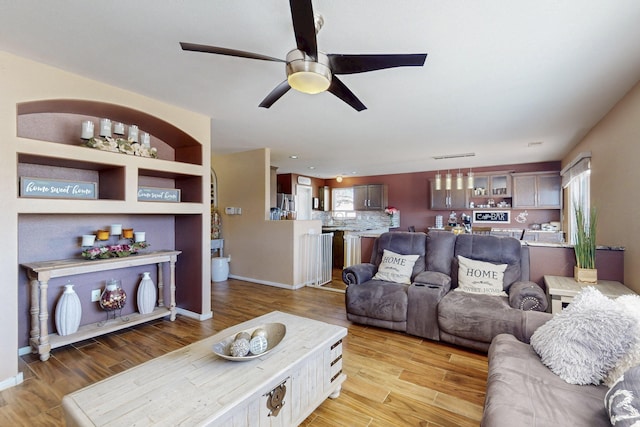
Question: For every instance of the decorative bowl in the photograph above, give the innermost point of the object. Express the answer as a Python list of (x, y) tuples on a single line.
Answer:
[(275, 333)]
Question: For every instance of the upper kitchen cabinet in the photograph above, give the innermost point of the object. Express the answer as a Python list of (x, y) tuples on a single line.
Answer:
[(371, 197), (494, 185), (541, 190), (448, 199)]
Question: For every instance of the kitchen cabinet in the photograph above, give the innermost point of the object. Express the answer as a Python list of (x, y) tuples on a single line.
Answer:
[(372, 197), (448, 199), (338, 249), (493, 185), (540, 190)]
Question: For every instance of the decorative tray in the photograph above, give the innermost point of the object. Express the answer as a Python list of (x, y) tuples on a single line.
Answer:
[(273, 333)]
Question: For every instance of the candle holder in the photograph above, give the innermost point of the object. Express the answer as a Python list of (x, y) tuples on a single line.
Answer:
[(112, 300), (103, 235), (88, 240)]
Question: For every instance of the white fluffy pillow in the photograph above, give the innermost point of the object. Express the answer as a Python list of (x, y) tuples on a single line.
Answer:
[(479, 277), (396, 268), (584, 342), (631, 305)]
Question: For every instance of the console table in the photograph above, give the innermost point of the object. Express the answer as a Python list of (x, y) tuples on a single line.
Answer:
[(41, 272), (561, 290)]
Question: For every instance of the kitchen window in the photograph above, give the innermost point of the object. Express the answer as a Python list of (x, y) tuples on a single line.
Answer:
[(342, 199), (576, 179)]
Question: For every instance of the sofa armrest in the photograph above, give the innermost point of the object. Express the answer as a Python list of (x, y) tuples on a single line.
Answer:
[(358, 273), (528, 296), (433, 278)]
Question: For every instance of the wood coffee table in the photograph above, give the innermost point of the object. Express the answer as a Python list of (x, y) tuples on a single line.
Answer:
[(192, 386)]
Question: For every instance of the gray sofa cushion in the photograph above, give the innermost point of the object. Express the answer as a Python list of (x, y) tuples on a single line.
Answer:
[(492, 249), (482, 317), (440, 247), (378, 299), (521, 391), (403, 243)]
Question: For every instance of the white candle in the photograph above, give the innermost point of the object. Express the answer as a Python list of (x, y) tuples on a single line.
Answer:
[(133, 133), (139, 236), (87, 130), (116, 229), (118, 128), (88, 239), (105, 127), (146, 139)]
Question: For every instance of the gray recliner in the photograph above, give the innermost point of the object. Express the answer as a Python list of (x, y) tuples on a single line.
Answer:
[(378, 302), (429, 308)]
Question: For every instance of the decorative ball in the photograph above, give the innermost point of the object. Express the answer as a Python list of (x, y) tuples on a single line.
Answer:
[(239, 348), (258, 344), (242, 335), (259, 332)]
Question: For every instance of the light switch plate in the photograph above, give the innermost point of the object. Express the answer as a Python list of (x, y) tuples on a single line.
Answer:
[(95, 295)]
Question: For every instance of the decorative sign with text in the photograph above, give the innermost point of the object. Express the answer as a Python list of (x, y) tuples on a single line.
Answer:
[(151, 194), (492, 217), (57, 189)]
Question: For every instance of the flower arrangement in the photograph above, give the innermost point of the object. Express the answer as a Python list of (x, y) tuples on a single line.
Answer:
[(114, 251), (390, 210), (122, 145)]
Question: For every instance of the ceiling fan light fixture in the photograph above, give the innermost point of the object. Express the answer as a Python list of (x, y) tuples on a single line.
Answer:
[(306, 75)]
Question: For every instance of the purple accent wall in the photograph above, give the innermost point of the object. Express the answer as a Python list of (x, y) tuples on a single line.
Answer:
[(49, 237), (559, 261)]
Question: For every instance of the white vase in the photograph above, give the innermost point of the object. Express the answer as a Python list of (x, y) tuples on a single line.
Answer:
[(68, 311), (146, 294)]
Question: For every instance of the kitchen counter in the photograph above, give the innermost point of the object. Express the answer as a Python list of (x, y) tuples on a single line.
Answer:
[(567, 245), (353, 231)]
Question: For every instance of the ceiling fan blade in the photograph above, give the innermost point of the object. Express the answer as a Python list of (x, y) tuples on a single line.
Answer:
[(341, 91), (275, 94), (350, 64), (304, 26), (224, 51)]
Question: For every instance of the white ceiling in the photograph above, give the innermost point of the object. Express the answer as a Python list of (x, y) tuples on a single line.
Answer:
[(500, 74)]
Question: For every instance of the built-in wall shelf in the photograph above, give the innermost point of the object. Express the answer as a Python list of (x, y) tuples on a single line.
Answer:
[(48, 147)]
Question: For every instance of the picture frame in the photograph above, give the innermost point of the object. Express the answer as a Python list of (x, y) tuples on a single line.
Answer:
[(155, 194), (47, 188), (491, 217)]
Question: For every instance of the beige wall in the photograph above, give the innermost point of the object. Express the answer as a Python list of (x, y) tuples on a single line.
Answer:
[(615, 175), (23, 80), (261, 250)]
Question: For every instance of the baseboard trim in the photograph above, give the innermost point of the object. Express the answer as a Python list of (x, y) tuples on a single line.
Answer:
[(11, 381), (269, 283), (193, 315)]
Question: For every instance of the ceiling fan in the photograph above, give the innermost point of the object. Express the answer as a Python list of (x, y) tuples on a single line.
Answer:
[(311, 71)]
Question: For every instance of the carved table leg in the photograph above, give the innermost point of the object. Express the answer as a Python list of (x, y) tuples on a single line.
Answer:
[(160, 286), (44, 348), (35, 315), (172, 286)]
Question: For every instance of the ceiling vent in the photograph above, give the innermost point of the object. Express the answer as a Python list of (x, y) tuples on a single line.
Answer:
[(454, 156)]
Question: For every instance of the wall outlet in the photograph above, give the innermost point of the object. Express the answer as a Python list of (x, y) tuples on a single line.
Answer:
[(95, 295)]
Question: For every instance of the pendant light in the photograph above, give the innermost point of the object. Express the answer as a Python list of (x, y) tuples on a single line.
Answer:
[(459, 181), (447, 181), (438, 181), (470, 181)]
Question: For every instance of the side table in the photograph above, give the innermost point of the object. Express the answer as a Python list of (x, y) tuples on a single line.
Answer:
[(562, 290)]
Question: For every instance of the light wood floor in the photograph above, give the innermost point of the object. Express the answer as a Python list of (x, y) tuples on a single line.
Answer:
[(393, 379)]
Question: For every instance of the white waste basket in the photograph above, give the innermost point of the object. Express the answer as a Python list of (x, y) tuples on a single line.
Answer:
[(220, 268)]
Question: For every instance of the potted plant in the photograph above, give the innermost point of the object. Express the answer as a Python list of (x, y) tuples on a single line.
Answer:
[(585, 246)]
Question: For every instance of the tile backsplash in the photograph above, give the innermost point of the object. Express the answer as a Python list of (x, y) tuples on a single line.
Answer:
[(363, 220)]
